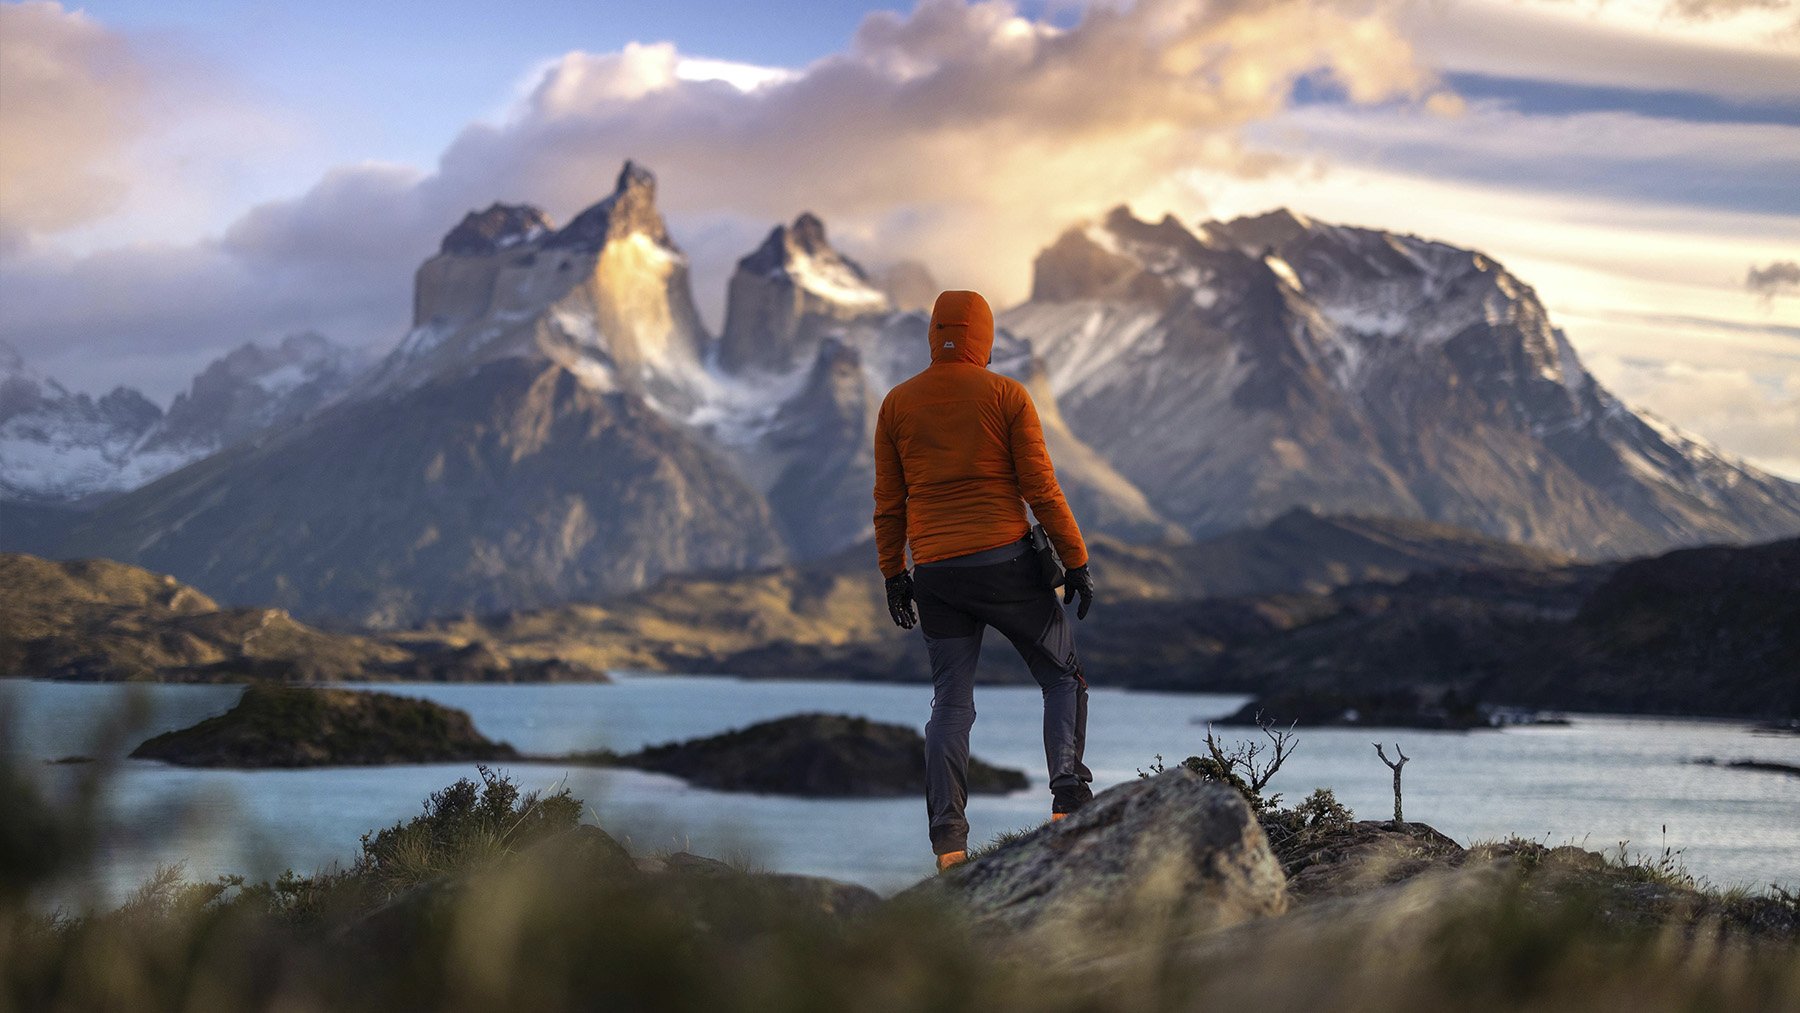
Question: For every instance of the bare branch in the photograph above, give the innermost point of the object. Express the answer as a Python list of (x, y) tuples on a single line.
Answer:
[(1218, 752), (1399, 818), (1285, 744)]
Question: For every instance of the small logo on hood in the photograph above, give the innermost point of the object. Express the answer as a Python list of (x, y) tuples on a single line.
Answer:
[(949, 344)]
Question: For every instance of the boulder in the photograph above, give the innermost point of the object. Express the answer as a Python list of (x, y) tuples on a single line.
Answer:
[(1363, 856), (816, 894), (585, 849), (1146, 862)]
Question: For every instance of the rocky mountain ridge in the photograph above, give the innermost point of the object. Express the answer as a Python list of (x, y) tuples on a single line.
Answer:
[(1368, 372), (59, 447), (558, 425)]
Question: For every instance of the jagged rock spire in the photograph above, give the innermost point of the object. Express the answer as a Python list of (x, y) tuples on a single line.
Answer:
[(630, 208), (789, 293)]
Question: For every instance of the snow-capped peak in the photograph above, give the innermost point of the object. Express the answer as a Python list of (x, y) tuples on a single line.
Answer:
[(801, 253), (788, 294)]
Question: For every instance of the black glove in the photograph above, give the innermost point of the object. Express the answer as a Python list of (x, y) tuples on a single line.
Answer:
[(1079, 582), (900, 600)]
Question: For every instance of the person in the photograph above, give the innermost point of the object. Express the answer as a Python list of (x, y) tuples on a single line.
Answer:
[(959, 452)]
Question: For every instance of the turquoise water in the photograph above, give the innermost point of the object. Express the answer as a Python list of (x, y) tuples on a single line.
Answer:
[(1600, 781)]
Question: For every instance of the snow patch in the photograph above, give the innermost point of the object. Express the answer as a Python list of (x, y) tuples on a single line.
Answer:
[(285, 379), (592, 374), (831, 279), (1284, 271)]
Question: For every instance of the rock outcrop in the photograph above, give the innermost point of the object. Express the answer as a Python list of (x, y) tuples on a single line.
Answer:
[(97, 620), (819, 755), (1145, 863), (1711, 631), (812, 895)]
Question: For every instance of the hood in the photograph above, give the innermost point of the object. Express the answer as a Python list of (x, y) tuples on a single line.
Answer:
[(962, 329)]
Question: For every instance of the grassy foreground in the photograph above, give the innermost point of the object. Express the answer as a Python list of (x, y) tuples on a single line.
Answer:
[(481, 903)]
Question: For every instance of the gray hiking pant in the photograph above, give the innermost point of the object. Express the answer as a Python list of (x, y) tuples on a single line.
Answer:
[(958, 599)]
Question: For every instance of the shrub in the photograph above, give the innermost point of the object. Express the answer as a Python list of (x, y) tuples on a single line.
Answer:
[(463, 826)]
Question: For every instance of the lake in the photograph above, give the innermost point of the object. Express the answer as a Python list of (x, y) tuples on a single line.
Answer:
[(1596, 782)]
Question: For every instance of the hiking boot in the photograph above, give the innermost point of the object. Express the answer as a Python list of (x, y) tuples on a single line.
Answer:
[(1055, 817), (950, 859)]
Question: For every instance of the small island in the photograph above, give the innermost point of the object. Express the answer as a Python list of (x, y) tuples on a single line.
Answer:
[(1403, 707), (1765, 766), (275, 725), (818, 755)]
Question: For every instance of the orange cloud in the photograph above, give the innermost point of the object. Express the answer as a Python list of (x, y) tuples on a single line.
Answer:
[(965, 134), (71, 103)]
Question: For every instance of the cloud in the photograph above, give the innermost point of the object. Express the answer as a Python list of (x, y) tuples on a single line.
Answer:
[(71, 103), (1779, 278), (1608, 44), (963, 134), (1619, 155), (107, 137), (1707, 9)]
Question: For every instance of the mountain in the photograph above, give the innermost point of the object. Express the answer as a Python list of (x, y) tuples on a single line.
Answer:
[(557, 424), (1274, 362), (787, 294), (57, 447), (813, 453), (250, 390), (525, 443), (606, 297)]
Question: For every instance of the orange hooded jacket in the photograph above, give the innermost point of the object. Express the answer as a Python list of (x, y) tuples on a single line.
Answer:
[(959, 452)]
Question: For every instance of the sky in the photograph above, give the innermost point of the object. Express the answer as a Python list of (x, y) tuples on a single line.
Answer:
[(179, 177)]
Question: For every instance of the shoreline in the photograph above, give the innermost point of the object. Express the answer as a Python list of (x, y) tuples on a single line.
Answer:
[(1773, 724)]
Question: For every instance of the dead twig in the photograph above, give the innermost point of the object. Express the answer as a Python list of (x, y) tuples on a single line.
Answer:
[(1252, 763), (1399, 819), (1283, 740)]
